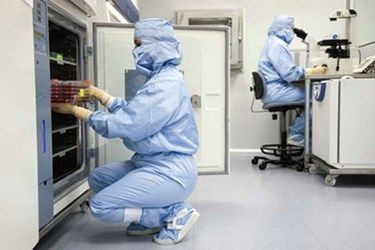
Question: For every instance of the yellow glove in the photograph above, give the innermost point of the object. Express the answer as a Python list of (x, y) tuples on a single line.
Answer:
[(63, 108), (99, 94), (70, 109), (319, 70)]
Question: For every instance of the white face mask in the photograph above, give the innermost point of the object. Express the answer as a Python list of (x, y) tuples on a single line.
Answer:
[(288, 35), (143, 60)]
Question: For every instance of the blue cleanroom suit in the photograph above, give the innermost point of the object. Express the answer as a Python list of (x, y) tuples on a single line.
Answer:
[(158, 124), (279, 70)]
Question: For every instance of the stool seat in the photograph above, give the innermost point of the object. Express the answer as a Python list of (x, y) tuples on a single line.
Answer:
[(283, 106)]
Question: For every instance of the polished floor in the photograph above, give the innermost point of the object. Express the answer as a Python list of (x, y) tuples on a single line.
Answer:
[(251, 209)]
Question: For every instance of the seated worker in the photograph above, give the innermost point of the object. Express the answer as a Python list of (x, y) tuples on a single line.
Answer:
[(148, 192), (279, 70)]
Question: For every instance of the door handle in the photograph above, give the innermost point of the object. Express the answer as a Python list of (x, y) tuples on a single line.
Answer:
[(319, 92), (196, 101), (44, 140)]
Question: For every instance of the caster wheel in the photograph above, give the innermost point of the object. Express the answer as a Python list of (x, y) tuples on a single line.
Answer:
[(254, 161), (330, 180), (84, 206), (313, 170), (262, 166), (300, 167)]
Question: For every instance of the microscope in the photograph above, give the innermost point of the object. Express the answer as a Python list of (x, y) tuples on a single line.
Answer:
[(342, 51), (340, 55)]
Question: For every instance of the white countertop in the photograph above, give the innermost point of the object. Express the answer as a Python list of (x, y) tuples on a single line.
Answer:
[(338, 76)]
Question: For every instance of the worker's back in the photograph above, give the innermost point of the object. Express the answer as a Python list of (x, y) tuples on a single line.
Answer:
[(172, 126)]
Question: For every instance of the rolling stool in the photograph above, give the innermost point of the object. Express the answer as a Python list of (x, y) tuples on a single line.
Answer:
[(284, 152)]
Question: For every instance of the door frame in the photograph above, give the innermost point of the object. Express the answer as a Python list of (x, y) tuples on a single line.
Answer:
[(226, 30)]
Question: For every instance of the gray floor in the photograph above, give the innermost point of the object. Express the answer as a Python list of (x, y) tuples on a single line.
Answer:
[(251, 209)]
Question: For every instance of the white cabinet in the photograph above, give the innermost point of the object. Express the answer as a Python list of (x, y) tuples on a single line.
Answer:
[(18, 132), (343, 123)]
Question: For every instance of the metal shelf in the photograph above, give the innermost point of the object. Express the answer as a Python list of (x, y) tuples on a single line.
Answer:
[(62, 62), (61, 153), (63, 130)]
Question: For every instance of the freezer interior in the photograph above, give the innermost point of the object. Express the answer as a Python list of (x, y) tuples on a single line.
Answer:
[(68, 133)]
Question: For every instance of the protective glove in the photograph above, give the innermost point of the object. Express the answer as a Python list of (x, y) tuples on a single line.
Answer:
[(99, 94), (319, 70), (300, 33), (70, 109)]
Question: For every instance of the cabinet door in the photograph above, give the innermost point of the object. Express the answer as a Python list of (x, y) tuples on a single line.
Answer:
[(205, 67), (357, 137)]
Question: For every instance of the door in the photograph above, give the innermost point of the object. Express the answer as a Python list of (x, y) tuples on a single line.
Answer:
[(205, 67), (357, 123)]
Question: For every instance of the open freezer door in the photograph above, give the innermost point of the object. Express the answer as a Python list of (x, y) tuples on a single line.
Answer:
[(206, 70)]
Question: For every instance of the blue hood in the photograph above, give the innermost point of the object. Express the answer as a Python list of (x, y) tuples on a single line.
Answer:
[(159, 47), (282, 27)]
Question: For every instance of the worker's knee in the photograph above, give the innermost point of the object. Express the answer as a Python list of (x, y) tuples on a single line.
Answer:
[(97, 207), (94, 181), (102, 209)]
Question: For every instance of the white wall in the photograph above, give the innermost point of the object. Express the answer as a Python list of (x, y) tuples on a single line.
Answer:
[(249, 130), (18, 145), (365, 25), (365, 20)]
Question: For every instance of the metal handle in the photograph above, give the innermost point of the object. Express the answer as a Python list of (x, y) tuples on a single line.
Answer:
[(240, 31), (44, 141), (196, 101)]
